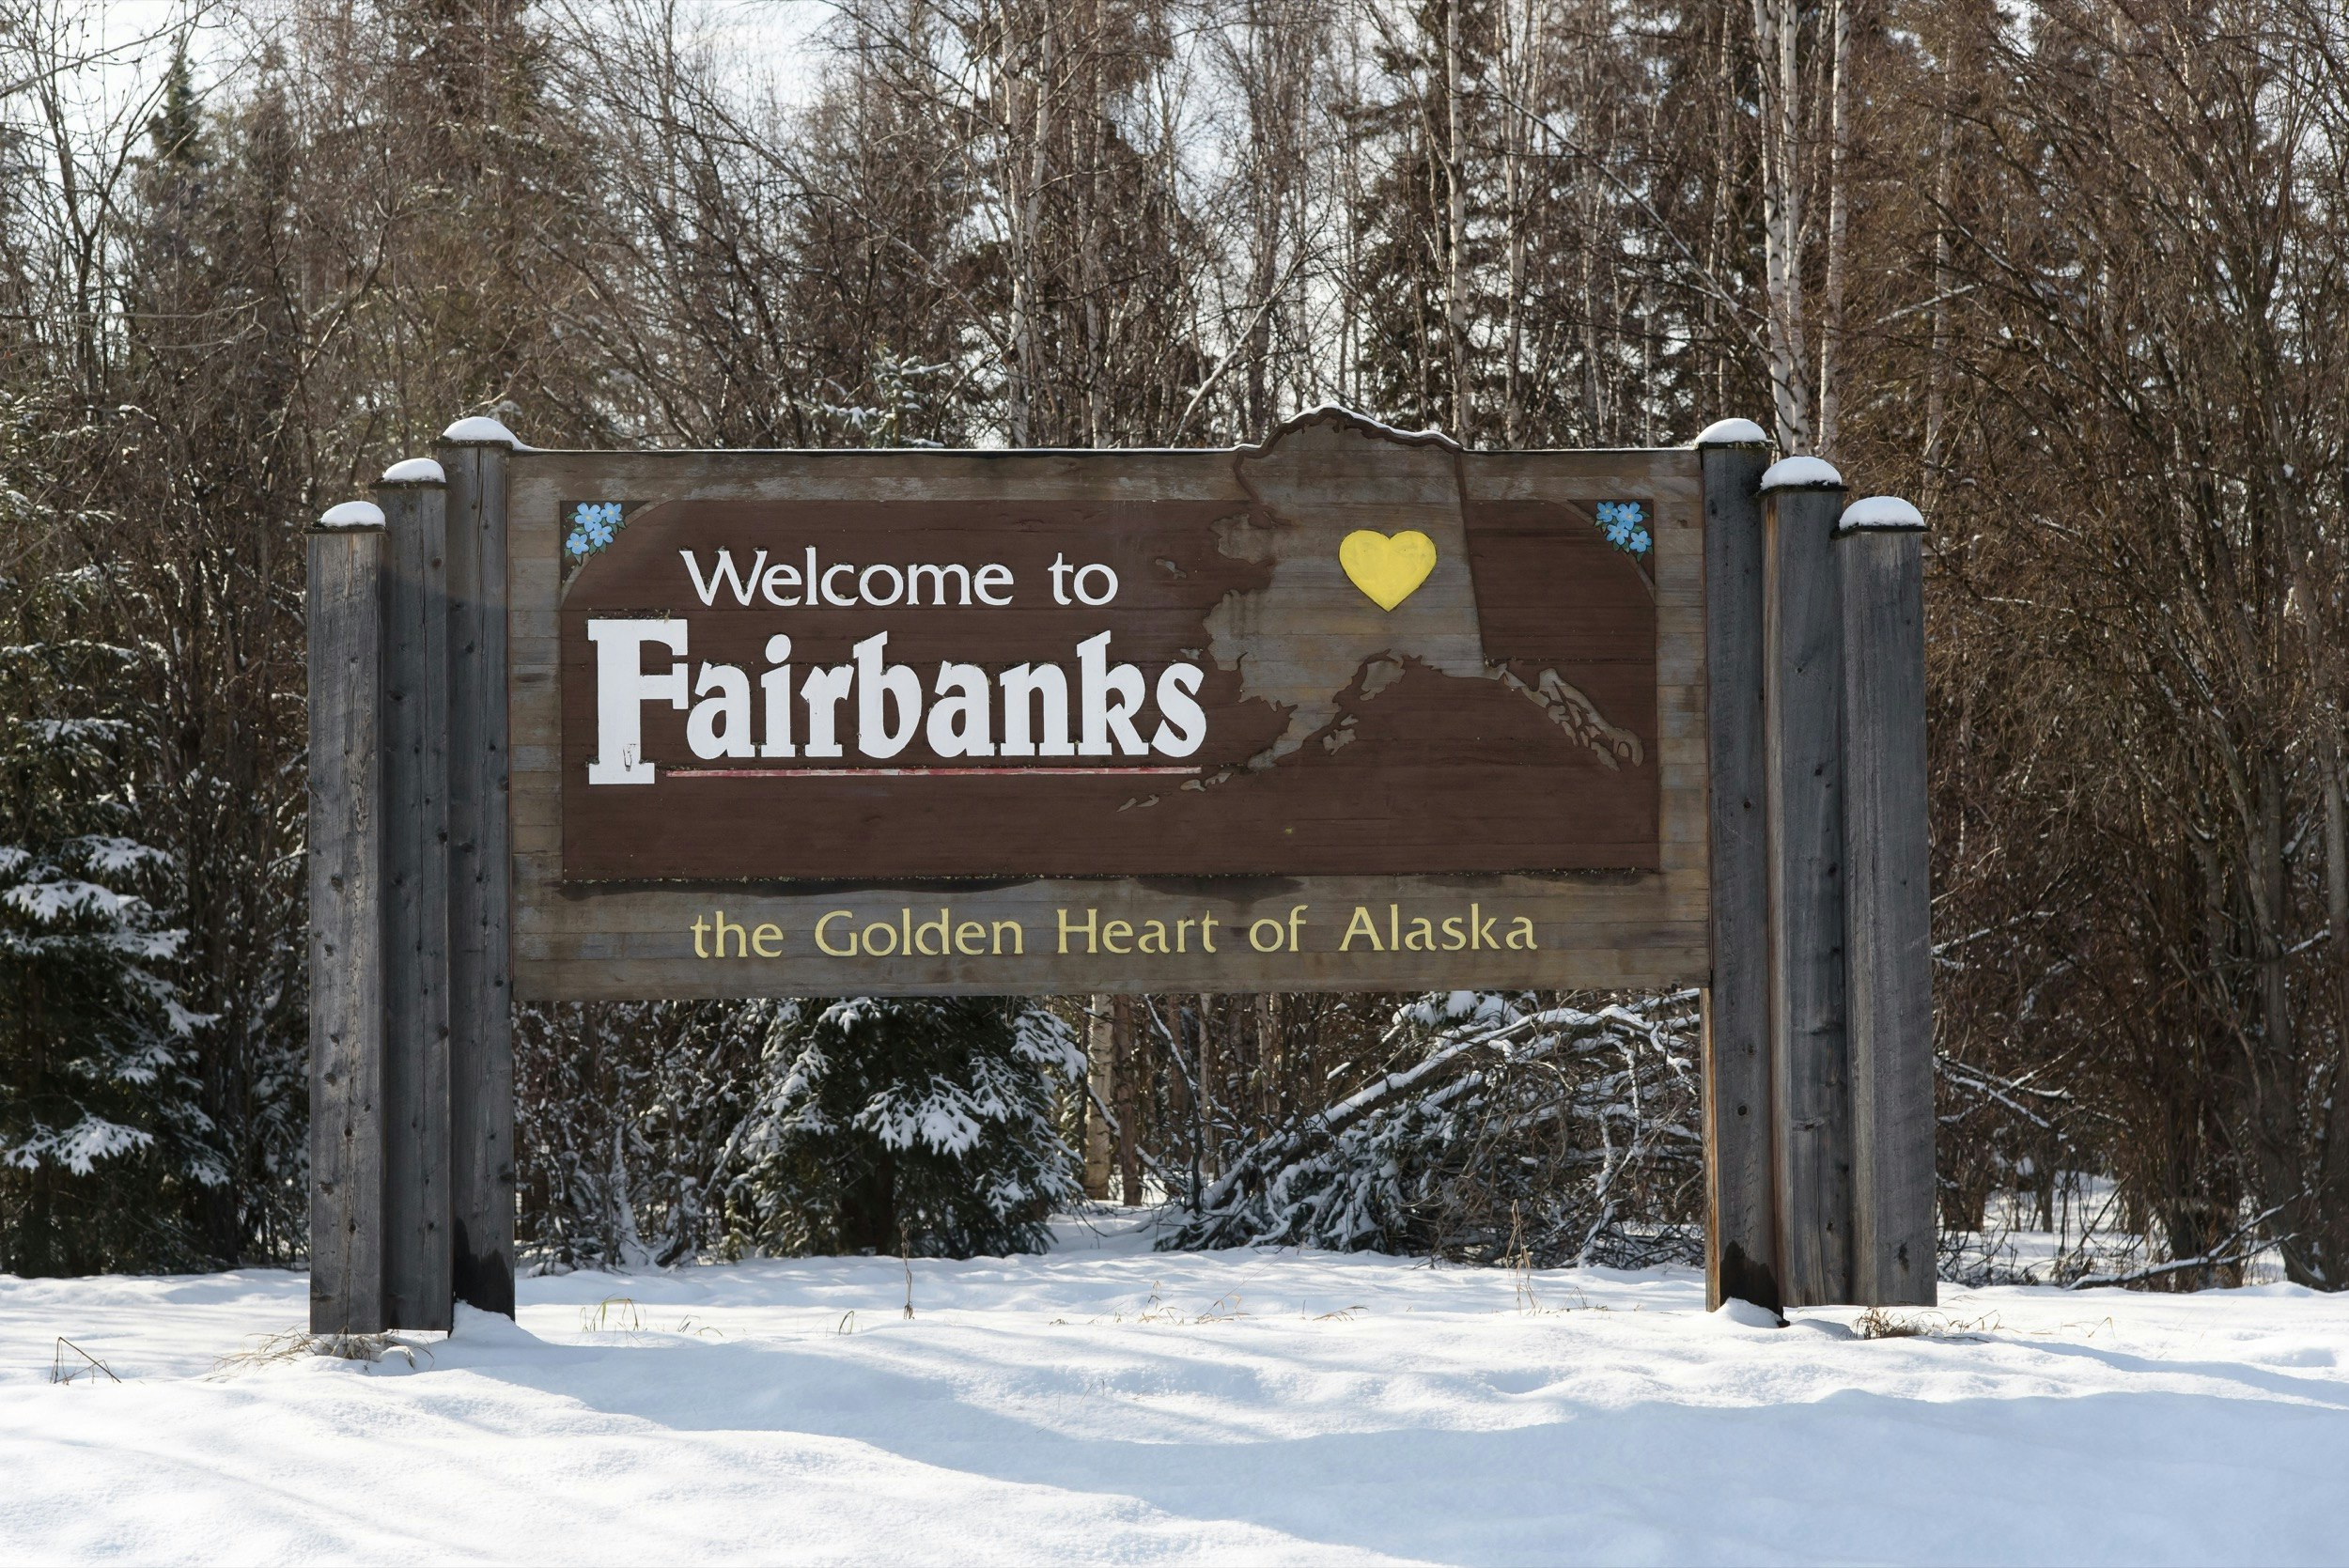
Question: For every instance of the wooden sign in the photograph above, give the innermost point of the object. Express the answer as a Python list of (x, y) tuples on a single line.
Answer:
[(1351, 709), (1348, 709)]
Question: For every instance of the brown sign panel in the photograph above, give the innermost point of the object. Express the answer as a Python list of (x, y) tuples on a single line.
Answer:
[(1349, 709)]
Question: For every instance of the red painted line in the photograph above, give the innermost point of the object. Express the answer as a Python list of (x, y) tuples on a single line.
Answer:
[(922, 772)]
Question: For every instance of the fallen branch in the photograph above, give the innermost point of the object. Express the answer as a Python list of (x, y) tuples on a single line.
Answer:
[(2216, 1258), (57, 1362)]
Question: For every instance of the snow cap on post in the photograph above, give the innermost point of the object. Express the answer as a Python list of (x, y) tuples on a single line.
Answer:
[(478, 430), (1880, 514), (413, 471), (1801, 473), (352, 515), (1731, 433)]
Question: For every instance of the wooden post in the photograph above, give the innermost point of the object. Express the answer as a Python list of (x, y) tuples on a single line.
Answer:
[(1741, 1237), (344, 612), (473, 452), (415, 898), (1888, 902), (1810, 1060)]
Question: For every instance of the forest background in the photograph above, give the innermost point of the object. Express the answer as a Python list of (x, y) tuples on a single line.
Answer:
[(2071, 276)]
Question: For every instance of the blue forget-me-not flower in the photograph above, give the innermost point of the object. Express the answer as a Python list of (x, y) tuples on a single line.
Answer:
[(1623, 521), (593, 524)]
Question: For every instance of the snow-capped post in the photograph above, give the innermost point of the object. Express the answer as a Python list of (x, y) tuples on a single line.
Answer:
[(1741, 1236), (343, 613), (1810, 1063), (414, 495), (1880, 543), (474, 453)]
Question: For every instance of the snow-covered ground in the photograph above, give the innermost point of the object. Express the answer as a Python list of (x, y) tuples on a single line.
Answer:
[(1105, 1403)]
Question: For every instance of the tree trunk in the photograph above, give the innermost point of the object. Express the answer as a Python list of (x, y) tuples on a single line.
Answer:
[(2333, 1199), (1128, 1099), (868, 1208), (1456, 214), (2276, 1121), (1518, 71), (1209, 1144), (1838, 224), (1101, 1085), (1937, 364), (1775, 27), (1269, 1030)]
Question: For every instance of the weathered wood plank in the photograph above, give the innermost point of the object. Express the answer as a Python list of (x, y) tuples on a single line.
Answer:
[(1741, 1248), (1589, 935), (1633, 473), (603, 979), (1626, 900), (1888, 916), (1810, 1058), (544, 624), (416, 906), (481, 1046), (824, 952), (1675, 723), (344, 614)]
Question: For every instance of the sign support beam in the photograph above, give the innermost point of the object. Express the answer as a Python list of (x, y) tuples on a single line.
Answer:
[(344, 611), (1810, 1056), (414, 495), (1741, 1234), (474, 452), (1880, 542)]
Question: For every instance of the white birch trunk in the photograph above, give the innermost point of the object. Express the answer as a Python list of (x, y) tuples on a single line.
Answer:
[(1775, 24), (1837, 224), (1456, 299)]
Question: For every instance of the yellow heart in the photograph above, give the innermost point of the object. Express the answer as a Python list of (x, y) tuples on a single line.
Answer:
[(1388, 568)]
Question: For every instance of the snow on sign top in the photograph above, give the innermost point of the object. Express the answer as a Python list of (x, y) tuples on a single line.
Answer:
[(1430, 436), (353, 514), (1880, 512), (1796, 473), (1731, 433), (415, 471)]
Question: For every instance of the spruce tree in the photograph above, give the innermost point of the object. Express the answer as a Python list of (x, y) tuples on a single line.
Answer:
[(101, 1133), (925, 1125)]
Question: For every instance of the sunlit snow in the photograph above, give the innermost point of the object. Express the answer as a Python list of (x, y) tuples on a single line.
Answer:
[(1109, 1403)]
